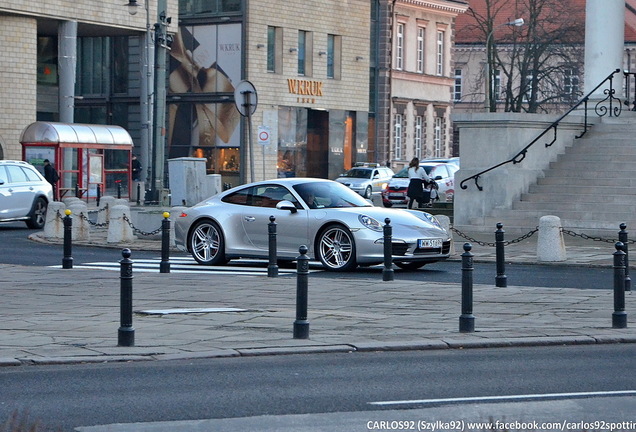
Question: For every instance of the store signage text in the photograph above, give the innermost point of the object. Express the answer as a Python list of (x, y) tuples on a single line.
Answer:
[(305, 88)]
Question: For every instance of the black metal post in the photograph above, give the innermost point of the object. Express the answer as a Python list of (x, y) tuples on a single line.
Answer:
[(77, 194), (272, 268), (118, 190), (622, 237), (99, 195), (138, 193), (619, 316), (387, 271), (126, 332), (467, 319), (67, 261), (164, 265), (301, 325), (501, 280)]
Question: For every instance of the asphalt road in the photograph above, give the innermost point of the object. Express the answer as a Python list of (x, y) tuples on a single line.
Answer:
[(23, 251), (84, 395)]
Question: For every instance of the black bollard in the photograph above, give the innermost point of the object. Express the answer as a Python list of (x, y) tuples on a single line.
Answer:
[(164, 265), (126, 332), (622, 237), (501, 280), (272, 268), (118, 189), (301, 325), (138, 193), (619, 316), (387, 271), (467, 319), (67, 261), (99, 195), (77, 193)]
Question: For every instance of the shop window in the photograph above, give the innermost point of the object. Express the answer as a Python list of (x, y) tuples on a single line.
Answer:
[(305, 46), (334, 50)]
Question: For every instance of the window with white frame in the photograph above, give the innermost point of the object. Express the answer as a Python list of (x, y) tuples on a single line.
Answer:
[(421, 31), (570, 84), (397, 135), (527, 87), (399, 47), (438, 137), (440, 53), (457, 89), (419, 135), (496, 85)]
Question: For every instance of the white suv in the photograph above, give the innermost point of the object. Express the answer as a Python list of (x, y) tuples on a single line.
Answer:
[(24, 194)]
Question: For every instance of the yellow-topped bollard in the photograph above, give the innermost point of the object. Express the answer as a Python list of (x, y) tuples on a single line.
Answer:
[(166, 215), (164, 265), (67, 261), (67, 212)]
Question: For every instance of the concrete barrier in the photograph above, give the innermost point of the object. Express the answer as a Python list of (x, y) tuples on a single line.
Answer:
[(118, 229), (550, 245), (54, 223), (81, 227), (105, 204)]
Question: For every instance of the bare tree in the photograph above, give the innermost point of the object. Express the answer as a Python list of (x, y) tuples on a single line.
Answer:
[(539, 62)]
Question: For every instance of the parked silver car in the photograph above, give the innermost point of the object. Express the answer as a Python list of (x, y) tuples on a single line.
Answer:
[(366, 179), (338, 226), (24, 194)]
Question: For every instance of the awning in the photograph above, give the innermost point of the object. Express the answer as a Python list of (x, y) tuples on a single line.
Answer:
[(76, 135)]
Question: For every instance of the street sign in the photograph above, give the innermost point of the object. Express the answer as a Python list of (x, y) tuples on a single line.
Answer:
[(245, 98), (263, 135)]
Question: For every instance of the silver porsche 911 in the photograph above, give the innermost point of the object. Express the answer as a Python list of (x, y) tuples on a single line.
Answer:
[(338, 226)]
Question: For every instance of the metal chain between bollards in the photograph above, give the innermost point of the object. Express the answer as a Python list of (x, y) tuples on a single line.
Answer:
[(493, 244), (138, 231), (589, 237)]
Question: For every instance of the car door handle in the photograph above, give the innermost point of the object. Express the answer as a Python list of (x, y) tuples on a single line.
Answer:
[(249, 218)]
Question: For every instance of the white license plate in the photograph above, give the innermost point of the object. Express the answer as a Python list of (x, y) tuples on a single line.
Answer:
[(398, 196), (429, 243)]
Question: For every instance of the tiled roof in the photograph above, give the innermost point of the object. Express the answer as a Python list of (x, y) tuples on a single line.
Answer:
[(467, 33)]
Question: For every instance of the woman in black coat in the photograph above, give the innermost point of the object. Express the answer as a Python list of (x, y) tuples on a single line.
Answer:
[(417, 177)]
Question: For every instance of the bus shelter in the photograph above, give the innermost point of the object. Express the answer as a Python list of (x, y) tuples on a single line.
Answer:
[(86, 157)]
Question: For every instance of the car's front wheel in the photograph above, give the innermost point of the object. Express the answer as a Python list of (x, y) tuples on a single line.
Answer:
[(207, 244), (337, 249), (367, 192), (38, 214), (387, 203)]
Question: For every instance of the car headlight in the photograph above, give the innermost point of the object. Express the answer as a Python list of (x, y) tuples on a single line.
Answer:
[(432, 219), (370, 223)]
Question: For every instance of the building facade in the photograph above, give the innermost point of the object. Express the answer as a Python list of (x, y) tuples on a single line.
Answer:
[(421, 79)]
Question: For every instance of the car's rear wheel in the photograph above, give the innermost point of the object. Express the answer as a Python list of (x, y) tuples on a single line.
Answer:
[(367, 192), (337, 249), (410, 265), (207, 244), (38, 214)]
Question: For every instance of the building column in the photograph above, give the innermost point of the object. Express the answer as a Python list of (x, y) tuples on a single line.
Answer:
[(604, 44), (67, 61)]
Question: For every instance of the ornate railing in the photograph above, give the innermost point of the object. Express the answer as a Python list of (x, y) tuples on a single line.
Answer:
[(611, 106)]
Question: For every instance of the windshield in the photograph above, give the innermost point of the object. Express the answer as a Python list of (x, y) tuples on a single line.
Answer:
[(329, 195), (358, 173), (404, 172)]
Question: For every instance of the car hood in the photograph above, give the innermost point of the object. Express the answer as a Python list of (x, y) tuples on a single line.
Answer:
[(353, 181), (403, 221), (398, 182)]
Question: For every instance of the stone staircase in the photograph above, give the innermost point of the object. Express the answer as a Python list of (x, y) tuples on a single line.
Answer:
[(591, 187)]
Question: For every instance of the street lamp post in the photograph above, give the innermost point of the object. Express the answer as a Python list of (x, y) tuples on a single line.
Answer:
[(490, 101), (153, 98)]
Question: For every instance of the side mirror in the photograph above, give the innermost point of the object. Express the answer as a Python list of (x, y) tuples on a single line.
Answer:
[(286, 205), (438, 178)]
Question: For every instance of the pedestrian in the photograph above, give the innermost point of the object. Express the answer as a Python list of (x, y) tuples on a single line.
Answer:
[(417, 177), (51, 176), (136, 169)]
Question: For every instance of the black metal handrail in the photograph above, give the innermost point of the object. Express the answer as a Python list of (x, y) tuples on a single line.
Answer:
[(600, 109)]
